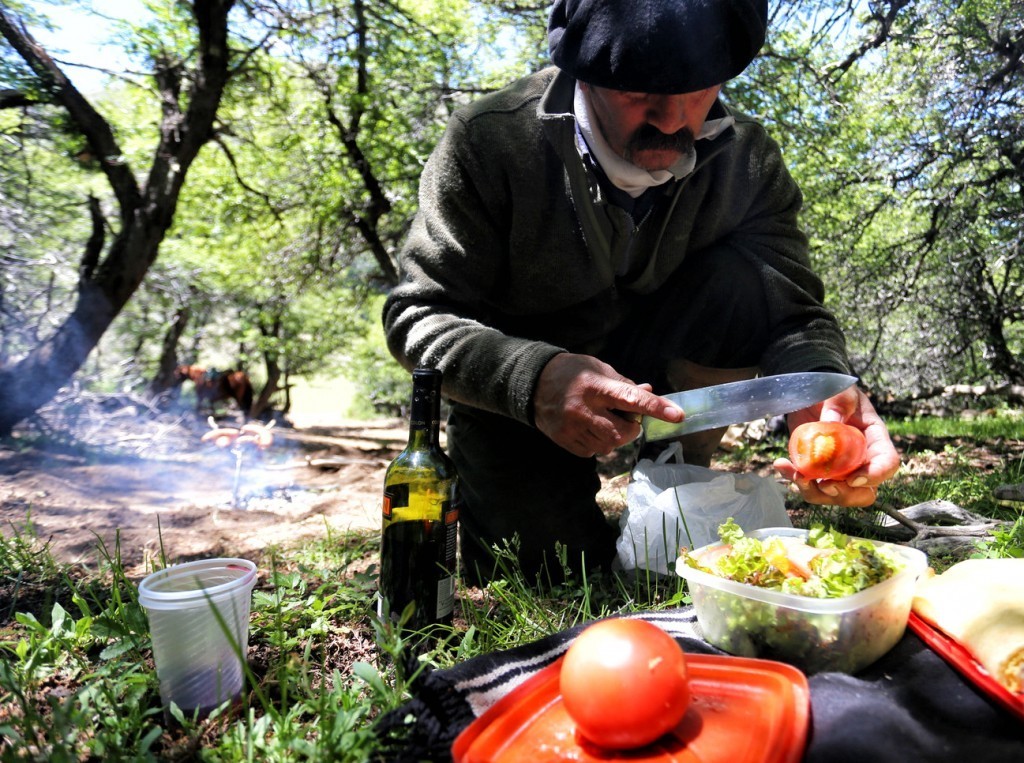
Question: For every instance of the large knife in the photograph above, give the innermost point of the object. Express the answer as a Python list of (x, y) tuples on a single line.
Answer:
[(743, 401)]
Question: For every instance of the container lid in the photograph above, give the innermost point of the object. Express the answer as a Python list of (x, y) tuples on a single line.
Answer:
[(743, 711), (194, 583), (957, 655)]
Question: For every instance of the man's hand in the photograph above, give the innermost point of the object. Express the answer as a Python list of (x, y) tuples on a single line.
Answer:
[(588, 408), (851, 406)]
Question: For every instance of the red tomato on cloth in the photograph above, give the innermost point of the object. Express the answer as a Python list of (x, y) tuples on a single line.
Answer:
[(826, 449), (625, 683)]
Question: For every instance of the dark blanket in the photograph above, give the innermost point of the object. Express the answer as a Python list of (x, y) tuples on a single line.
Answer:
[(908, 706)]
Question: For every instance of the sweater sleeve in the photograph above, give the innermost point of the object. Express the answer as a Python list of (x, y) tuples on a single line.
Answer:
[(454, 258)]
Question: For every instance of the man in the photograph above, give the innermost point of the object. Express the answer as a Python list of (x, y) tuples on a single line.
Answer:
[(592, 236)]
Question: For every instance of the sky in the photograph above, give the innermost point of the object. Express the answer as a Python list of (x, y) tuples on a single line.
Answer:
[(80, 37)]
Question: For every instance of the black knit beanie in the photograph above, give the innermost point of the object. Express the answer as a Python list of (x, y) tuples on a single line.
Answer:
[(656, 46)]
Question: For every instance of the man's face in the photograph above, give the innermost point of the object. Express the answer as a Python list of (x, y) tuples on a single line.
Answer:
[(650, 130)]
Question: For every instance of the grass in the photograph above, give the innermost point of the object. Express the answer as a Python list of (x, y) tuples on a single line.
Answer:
[(77, 680), (994, 425)]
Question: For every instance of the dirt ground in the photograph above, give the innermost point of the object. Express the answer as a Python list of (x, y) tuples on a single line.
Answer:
[(157, 486), (115, 477), (121, 480)]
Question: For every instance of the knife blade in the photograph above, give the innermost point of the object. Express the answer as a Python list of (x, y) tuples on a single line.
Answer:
[(738, 402)]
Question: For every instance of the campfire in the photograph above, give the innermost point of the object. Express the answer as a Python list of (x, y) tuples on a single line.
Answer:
[(251, 437)]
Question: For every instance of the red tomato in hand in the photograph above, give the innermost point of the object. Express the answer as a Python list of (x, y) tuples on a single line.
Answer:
[(624, 682), (826, 449)]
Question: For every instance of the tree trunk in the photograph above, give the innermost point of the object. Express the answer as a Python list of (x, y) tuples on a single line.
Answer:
[(164, 378), (273, 380), (106, 285), (287, 406), (271, 330), (34, 380)]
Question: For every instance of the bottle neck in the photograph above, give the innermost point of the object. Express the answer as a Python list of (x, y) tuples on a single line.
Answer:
[(425, 418)]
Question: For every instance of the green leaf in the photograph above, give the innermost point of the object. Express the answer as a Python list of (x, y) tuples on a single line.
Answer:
[(368, 674)]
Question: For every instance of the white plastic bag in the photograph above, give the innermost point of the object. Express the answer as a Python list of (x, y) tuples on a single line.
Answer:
[(671, 505)]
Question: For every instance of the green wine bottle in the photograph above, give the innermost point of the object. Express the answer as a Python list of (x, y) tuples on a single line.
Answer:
[(420, 516)]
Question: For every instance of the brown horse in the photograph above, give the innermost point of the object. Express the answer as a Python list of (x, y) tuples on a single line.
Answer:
[(212, 386)]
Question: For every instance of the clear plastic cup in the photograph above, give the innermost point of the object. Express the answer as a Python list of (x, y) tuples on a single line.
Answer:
[(199, 655)]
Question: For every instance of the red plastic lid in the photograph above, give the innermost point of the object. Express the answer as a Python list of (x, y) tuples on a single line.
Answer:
[(957, 655), (743, 711)]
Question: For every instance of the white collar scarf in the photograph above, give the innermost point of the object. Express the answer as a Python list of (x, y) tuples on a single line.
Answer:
[(626, 175)]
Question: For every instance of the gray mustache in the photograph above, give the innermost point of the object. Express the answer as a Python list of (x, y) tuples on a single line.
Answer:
[(650, 138)]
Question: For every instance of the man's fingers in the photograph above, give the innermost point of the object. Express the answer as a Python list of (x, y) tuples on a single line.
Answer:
[(633, 418), (638, 401), (587, 407), (785, 469), (826, 492)]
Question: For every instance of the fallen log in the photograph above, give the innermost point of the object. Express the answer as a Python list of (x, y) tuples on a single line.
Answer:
[(336, 462), (935, 527), (1011, 393), (925, 401), (1009, 493)]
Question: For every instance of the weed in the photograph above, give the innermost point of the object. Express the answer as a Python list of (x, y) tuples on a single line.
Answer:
[(1006, 543)]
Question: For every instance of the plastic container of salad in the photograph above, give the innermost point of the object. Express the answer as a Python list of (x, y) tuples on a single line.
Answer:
[(842, 634)]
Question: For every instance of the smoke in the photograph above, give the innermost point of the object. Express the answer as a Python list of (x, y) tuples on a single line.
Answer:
[(131, 433)]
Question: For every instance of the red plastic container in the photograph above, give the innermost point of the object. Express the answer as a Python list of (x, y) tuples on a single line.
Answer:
[(957, 655), (743, 711)]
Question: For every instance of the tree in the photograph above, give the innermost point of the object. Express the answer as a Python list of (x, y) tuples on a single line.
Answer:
[(901, 122), (297, 216), (190, 91), (296, 212)]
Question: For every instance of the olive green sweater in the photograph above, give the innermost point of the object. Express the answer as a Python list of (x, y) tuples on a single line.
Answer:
[(512, 257)]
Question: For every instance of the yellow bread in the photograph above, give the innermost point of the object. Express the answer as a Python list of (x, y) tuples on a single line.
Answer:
[(980, 603)]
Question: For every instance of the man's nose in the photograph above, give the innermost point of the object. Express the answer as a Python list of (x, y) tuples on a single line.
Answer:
[(669, 113)]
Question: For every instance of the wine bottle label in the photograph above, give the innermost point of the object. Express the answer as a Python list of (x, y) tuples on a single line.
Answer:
[(451, 540), (445, 596), (395, 497)]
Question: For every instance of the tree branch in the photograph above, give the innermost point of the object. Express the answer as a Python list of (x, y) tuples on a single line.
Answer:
[(882, 33), (241, 181), (14, 99), (91, 124), (183, 134), (94, 246)]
